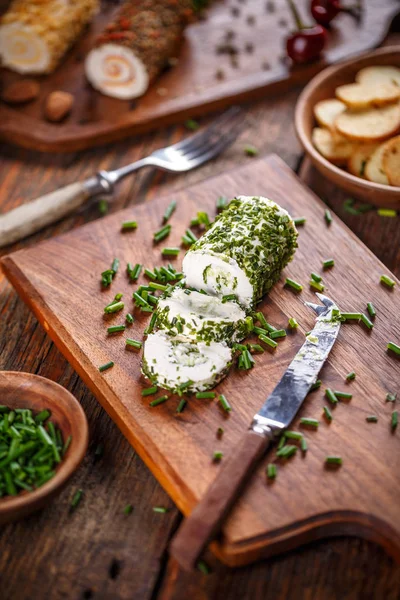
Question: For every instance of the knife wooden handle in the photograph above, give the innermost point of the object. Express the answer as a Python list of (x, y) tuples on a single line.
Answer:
[(205, 520), (33, 216)]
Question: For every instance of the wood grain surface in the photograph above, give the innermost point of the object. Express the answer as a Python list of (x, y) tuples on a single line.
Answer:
[(97, 552), (60, 282), (253, 63)]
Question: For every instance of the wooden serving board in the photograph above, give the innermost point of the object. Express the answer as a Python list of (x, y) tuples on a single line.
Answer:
[(59, 280), (191, 88)]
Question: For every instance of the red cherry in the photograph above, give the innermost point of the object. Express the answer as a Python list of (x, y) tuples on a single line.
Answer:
[(324, 11), (307, 44)]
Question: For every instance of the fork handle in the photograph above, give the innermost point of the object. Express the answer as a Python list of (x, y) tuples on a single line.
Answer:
[(33, 216)]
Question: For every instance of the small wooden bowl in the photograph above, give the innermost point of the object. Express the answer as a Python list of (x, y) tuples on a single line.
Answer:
[(23, 390), (323, 86)]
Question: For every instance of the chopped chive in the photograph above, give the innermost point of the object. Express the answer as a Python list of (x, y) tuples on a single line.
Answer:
[(303, 444), (267, 341), (395, 419), (194, 222), (128, 225), (329, 262), (343, 395), (371, 419), (366, 321), (151, 325), (160, 509), (278, 333), (205, 395), (286, 451), (220, 432), (203, 567), (386, 212), (281, 441), (149, 273), (328, 216), (272, 471), (387, 281), (181, 405), (299, 221), (317, 285), (113, 307), (133, 343), (169, 211), (351, 376), (139, 300), (203, 219), (115, 329), (309, 422), (115, 265), (106, 366), (162, 233), (103, 206), (170, 251), (191, 236), (328, 413), (157, 286), (293, 435), (297, 287), (331, 396), (371, 310), (350, 316), (391, 397), (221, 203), (76, 499), (67, 444), (256, 348), (333, 460), (134, 272), (217, 456), (316, 385), (293, 324), (250, 150), (42, 416), (228, 298), (394, 348), (129, 318), (128, 509), (191, 124), (224, 403), (316, 277), (184, 386), (260, 330), (150, 391), (158, 401), (264, 323)]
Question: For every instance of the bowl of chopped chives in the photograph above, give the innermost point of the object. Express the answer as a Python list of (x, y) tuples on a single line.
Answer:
[(43, 439)]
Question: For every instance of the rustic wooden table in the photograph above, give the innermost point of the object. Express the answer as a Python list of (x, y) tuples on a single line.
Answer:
[(98, 551)]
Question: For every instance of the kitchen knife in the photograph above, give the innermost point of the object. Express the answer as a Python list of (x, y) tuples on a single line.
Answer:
[(268, 424)]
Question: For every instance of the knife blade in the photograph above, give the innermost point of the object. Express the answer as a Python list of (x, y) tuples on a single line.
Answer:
[(268, 423)]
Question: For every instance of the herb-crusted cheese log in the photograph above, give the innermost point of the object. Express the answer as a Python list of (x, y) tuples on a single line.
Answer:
[(201, 317), (35, 34), (170, 362), (244, 251), (134, 49)]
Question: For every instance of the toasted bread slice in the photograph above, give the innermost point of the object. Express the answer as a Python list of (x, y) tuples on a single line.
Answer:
[(359, 159), (391, 160), (326, 112), (374, 124), (379, 75), (334, 151), (374, 169), (358, 96)]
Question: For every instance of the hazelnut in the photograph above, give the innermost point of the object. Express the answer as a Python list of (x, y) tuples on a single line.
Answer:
[(58, 105), (24, 90)]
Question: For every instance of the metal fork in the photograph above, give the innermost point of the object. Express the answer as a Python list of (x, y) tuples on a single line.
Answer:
[(178, 158)]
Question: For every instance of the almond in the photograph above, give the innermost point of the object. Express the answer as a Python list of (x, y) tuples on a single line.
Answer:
[(58, 105), (24, 90)]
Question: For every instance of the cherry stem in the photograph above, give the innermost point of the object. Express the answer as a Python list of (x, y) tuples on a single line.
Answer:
[(299, 23)]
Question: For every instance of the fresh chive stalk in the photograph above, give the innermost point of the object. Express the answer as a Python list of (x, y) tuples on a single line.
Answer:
[(250, 150), (294, 285), (272, 471), (205, 395), (371, 310), (331, 396), (395, 419), (217, 456), (316, 385), (394, 348), (267, 341), (350, 376), (224, 403), (309, 422), (106, 366), (298, 221), (160, 509), (220, 432), (113, 307), (366, 321), (328, 263), (150, 391), (181, 405), (391, 397), (203, 567), (221, 203), (316, 277), (293, 324), (286, 451), (293, 435), (343, 395), (386, 212), (76, 499), (134, 272), (129, 319), (162, 233), (334, 460), (328, 414), (264, 323), (371, 419), (386, 280), (316, 285), (328, 217), (350, 316), (128, 509), (278, 333), (169, 211), (170, 251), (129, 225), (158, 401), (115, 329), (133, 343)]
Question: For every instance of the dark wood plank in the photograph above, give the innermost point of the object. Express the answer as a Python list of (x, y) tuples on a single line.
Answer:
[(191, 88), (264, 521)]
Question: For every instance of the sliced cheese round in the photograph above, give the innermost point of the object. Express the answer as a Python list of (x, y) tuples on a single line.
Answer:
[(116, 71), (23, 50), (170, 362), (243, 252), (202, 317)]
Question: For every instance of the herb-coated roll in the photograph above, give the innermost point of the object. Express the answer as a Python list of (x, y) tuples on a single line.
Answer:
[(35, 34), (171, 362), (243, 252), (202, 317), (135, 48)]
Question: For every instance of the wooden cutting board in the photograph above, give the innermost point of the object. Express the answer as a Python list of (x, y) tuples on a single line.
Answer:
[(191, 88), (59, 280)]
